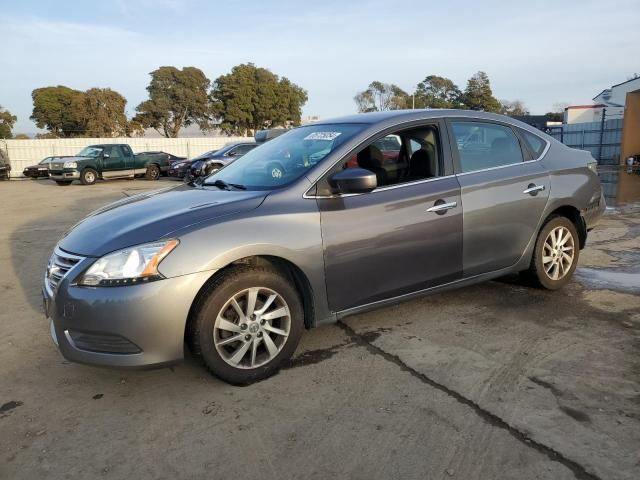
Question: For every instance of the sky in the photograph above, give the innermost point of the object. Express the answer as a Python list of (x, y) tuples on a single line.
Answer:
[(541, 52)]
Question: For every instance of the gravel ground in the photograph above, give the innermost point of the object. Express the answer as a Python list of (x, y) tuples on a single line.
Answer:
[(493, 381)]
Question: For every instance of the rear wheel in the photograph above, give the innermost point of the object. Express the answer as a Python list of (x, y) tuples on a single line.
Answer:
[(248, 322), (556, 254), (153, 172), (89, 176), (63, 183)]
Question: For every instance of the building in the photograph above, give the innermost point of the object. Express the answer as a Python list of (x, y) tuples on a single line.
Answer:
[(583, 113), (614, 98), (610, 100)]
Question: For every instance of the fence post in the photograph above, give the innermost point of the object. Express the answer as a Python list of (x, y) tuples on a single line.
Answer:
[(604, 111)]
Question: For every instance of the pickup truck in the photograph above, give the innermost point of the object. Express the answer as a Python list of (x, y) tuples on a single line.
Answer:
[(108, 161)]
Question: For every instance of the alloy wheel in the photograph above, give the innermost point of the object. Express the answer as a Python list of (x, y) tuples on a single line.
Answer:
[(252, 328), (558, 253)]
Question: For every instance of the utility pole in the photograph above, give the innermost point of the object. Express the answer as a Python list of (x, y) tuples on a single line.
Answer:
[(602, 120)]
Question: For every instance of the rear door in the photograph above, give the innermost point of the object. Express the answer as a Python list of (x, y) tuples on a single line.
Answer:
[(404, 236), (503, 193), (129, 158)]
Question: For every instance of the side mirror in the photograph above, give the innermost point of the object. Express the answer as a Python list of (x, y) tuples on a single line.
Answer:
[(105, 155), (354, 180)]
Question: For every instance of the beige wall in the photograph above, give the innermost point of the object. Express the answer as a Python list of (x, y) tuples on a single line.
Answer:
[(631, 127), (27, 152), (582, 115)]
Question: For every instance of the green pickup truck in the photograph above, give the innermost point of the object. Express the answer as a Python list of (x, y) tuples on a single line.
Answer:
[(107, 161)]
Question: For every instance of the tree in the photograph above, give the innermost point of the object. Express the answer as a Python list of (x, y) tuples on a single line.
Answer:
[(251, 98), (21, 136), (53, 110), (381, 96), (177, 99), (437, 92), (45, 136), (514, 108), (478, 94), (134, 129), (101, 113), (7, 120), (554, 116)]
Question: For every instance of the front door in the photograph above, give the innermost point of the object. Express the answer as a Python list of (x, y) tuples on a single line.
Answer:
[(114, 164), (503, 196), (404, 236)]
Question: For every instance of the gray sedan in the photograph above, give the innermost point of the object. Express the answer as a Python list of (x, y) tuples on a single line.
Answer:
[(319, 223)]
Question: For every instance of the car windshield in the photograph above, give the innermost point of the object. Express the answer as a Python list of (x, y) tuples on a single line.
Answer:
[(90, 152), (286, 158), (44, 161)]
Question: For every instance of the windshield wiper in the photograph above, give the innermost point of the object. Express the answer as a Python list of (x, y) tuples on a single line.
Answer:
[(224, 185)]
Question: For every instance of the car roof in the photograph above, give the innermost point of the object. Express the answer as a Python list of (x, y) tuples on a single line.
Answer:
[(391, 117), (102, 145), (408, 115)]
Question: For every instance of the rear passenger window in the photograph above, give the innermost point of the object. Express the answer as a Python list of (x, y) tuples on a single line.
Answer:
[(485, 145), (115, 152), (534, 142)]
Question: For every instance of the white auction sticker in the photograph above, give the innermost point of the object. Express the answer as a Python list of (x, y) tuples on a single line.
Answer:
[(323, 136)]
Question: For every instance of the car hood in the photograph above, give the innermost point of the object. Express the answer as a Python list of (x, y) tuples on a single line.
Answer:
[(60, 161), (150, 216)]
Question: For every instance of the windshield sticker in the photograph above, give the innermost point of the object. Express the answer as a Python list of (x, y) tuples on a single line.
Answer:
[(322, 136)]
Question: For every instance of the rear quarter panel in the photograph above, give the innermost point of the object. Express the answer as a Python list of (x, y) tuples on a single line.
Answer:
[(572, 183)]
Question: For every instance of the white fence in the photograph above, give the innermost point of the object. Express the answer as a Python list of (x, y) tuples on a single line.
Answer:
[(27, 152)]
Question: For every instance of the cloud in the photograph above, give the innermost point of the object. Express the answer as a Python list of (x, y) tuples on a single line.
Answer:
[(541, 53)]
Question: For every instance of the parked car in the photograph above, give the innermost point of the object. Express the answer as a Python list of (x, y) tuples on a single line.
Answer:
[(170, 159), (107, 162), (39, 170), (240, 265), (209, 163), (5, 166)]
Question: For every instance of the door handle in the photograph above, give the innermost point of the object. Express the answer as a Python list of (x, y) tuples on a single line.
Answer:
[(441, 208), (533, 189)]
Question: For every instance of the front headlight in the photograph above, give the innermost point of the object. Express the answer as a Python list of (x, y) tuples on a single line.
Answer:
[(178, 165), (128, 266), (70, 165)]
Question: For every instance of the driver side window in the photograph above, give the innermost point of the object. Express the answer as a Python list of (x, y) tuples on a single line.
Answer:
[(396, 158)]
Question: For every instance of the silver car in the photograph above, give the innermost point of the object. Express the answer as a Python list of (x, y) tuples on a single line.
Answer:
[(317, 224)]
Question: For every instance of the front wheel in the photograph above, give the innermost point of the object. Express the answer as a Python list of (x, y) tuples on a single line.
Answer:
[(556, 254), (89, 176), (248, 322), (153, 172)]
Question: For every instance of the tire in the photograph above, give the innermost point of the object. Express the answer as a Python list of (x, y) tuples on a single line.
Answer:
[(63, 183), (153, 172), (234, 361), (212, 169), (550, 266), (88, 176)]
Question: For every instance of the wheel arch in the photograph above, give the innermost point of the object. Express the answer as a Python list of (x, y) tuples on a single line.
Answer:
[(573, 214), (283, 265)]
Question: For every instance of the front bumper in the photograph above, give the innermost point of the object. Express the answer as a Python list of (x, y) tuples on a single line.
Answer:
[(33, 173), (178, 172), (134, 326), (66, 174)]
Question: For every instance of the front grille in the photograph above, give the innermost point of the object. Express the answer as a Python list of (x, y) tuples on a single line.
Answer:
[(60, 264)]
